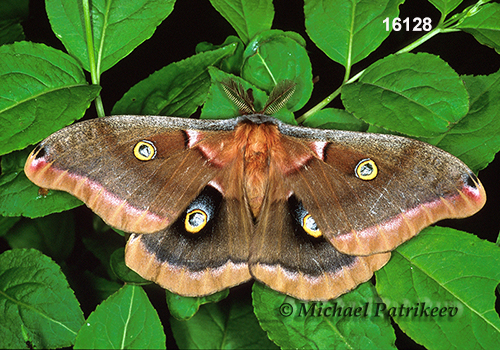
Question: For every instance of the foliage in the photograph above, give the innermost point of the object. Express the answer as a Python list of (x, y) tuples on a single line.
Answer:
[(438, 288)]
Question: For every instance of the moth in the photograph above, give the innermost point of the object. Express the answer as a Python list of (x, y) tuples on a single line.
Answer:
[(213, 203)]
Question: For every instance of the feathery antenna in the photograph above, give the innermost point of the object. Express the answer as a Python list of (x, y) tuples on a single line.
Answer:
[(244, 100), (241, 98)]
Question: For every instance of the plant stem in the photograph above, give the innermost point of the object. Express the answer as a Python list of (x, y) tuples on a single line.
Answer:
[(319, 106), (415, 44), (94, 74), (420, 41)]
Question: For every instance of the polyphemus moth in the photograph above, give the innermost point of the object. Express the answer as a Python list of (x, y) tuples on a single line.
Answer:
[(212, 203)]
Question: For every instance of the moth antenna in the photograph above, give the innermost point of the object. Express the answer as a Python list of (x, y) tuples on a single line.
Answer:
[(279, 96), (250, 98), (241, 98)]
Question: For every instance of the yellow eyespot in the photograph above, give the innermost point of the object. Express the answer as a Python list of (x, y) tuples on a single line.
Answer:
[(144, 150), (309, 225), (366, 170), (195, 220)]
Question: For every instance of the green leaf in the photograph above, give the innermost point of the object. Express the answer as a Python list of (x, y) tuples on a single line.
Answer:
[(445, 6), (11, 30), (102, 245), (34, 294), (53, 235), (12, 12), (229, 324), (117, 262), (230, 64), (7, 223), (343, 323), (476, 138), (14, 9), (248, 17), (118, 26), (176, 90), (484, 25), (449, 278), (332, 118), (19, 196), (100, 288), (183, 308), (126, 320), (348, 30), (274, 56), (416, 94), (41, 90)]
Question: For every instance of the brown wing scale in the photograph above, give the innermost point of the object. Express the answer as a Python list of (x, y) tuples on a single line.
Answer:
[(253, 181)]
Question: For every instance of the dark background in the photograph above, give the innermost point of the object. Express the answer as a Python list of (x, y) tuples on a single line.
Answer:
[(194, 21)]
